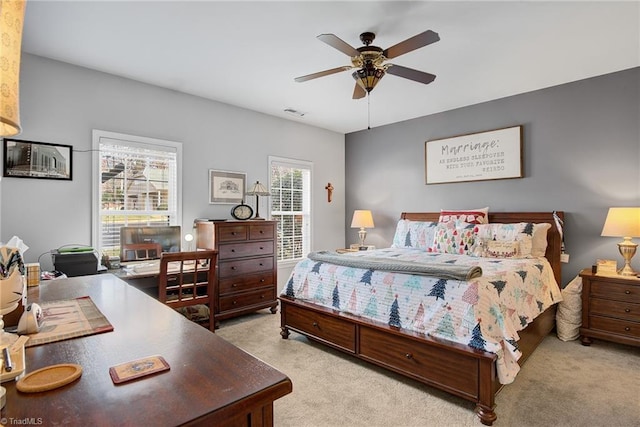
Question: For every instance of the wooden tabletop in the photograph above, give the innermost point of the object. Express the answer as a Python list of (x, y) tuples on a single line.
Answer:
[(210, 380)]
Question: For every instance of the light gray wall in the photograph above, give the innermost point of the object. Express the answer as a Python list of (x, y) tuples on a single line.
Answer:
[(581, 156), (61, 103)]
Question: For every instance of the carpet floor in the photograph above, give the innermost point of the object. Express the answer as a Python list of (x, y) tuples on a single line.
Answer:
[(562, 384)]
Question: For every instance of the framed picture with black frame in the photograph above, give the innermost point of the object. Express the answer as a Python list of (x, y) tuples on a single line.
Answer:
[(42, 160)]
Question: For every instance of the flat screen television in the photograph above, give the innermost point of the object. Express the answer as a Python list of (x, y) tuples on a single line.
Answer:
[(167, 237)]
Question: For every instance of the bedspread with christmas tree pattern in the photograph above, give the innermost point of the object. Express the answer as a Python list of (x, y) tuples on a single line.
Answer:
[(485, 312)]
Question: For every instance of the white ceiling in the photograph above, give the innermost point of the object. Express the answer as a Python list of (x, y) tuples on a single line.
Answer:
[(248, 53)]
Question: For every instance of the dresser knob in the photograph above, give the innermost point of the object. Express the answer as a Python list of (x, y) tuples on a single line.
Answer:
[(233, 267), (409, 356), (261, 248), (235, 302), (261, 280), (315, 324), (627, 329), (262, 296), (233, 250), (627, 310), (235, 285), (628, 292)]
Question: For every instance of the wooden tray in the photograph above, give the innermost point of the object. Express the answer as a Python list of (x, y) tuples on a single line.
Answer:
[(49, 377)]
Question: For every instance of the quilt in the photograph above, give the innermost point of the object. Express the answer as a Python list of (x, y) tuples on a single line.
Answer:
[(484, 312)]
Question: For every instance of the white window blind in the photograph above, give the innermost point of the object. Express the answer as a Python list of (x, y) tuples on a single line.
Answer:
[(136, 182), (290, 186)]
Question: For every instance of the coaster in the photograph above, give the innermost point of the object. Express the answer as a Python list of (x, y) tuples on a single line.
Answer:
[(49, 377), (137, 368)]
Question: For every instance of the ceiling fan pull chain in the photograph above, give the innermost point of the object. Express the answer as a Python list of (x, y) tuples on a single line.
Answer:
[(369, 111)]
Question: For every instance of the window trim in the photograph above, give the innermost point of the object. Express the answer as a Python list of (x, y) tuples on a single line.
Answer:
[(302, 164), (131, 140)]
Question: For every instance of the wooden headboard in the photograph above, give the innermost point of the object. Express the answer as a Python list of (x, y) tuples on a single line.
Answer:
[(554, 240)]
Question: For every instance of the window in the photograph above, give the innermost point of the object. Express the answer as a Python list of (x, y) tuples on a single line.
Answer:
[(136, 181), (291, 206)]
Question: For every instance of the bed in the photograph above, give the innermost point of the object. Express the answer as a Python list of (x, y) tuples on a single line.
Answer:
[(463, 356)]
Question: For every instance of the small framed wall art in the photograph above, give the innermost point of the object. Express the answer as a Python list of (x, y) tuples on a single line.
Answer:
[(226, 187), (30, 159), (495, 154)]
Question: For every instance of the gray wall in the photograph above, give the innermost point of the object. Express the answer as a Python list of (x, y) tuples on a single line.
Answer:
[(581, 156), (61, 103)]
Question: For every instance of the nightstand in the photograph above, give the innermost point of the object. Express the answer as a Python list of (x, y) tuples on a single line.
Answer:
[(610, 308)]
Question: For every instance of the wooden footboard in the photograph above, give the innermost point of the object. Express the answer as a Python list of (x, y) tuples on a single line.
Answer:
[(454, 368)]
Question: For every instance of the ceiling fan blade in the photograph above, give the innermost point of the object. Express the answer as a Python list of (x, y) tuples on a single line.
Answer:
[(359, 92), (322, 74), (410, 73), (413, 43), (337, 43)]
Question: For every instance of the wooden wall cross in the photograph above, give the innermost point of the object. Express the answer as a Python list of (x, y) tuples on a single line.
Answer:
[(329, 189)]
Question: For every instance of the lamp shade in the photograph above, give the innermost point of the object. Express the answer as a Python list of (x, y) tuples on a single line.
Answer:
[(368, 76), (622, 222), (362, 219), (258, 190), (11, 19)]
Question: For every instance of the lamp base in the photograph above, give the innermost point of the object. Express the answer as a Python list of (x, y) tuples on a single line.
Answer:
[(627, 249)]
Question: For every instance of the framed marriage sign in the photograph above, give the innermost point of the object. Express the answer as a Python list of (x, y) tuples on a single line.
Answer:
[(495, 154)]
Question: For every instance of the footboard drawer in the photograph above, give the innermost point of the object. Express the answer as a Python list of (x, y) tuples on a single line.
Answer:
[(448, 370), (329, 329)]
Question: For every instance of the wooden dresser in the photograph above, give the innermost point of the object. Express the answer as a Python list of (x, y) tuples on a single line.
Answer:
[(610, 308), (246, 277)]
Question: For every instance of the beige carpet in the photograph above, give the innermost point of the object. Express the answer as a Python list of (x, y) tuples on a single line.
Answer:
[(562, 384)]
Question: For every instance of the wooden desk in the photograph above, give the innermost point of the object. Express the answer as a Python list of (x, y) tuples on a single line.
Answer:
[(211, 382)]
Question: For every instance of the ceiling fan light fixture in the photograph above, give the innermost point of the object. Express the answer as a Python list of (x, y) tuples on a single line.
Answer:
[(368, 77)]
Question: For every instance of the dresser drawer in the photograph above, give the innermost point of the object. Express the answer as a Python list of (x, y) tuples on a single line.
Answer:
[(245, 282), (244, 266), (615, 291), (262, 231), (245, 249), (430, 364), (335, 331), (238, 301), (615, 326), (622, 310), (233, 233)]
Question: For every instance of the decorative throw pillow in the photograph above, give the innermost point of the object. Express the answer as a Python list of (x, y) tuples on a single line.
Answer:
[(501, 249), (539, 244), (521, 232), (454, 237), (414, 234), (471, 216)]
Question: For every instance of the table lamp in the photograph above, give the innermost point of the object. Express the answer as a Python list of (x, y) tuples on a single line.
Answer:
[(258, 190), (362, 219), (625, 223)]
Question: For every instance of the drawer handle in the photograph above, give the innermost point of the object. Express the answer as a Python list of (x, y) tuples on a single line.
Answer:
[(233, 233), (628, 292), (409, 356), (235, 302), (262, 296), (233, 267), (235, 285), (261, 248), (261, 232), (627, 328), (261, 280), (315, 325), (261, 264), (233, 250), (627, 310)]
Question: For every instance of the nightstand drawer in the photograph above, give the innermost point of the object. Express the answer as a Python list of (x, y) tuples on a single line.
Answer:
[(621, 310), (615, 326), (616, 291)]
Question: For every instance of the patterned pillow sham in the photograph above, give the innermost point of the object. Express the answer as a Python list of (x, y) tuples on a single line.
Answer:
[(523, 233), (454, 237), (414, 234), (471, 216)]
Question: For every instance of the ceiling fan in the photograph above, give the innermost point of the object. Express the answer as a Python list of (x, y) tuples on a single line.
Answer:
[(370, 61)]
